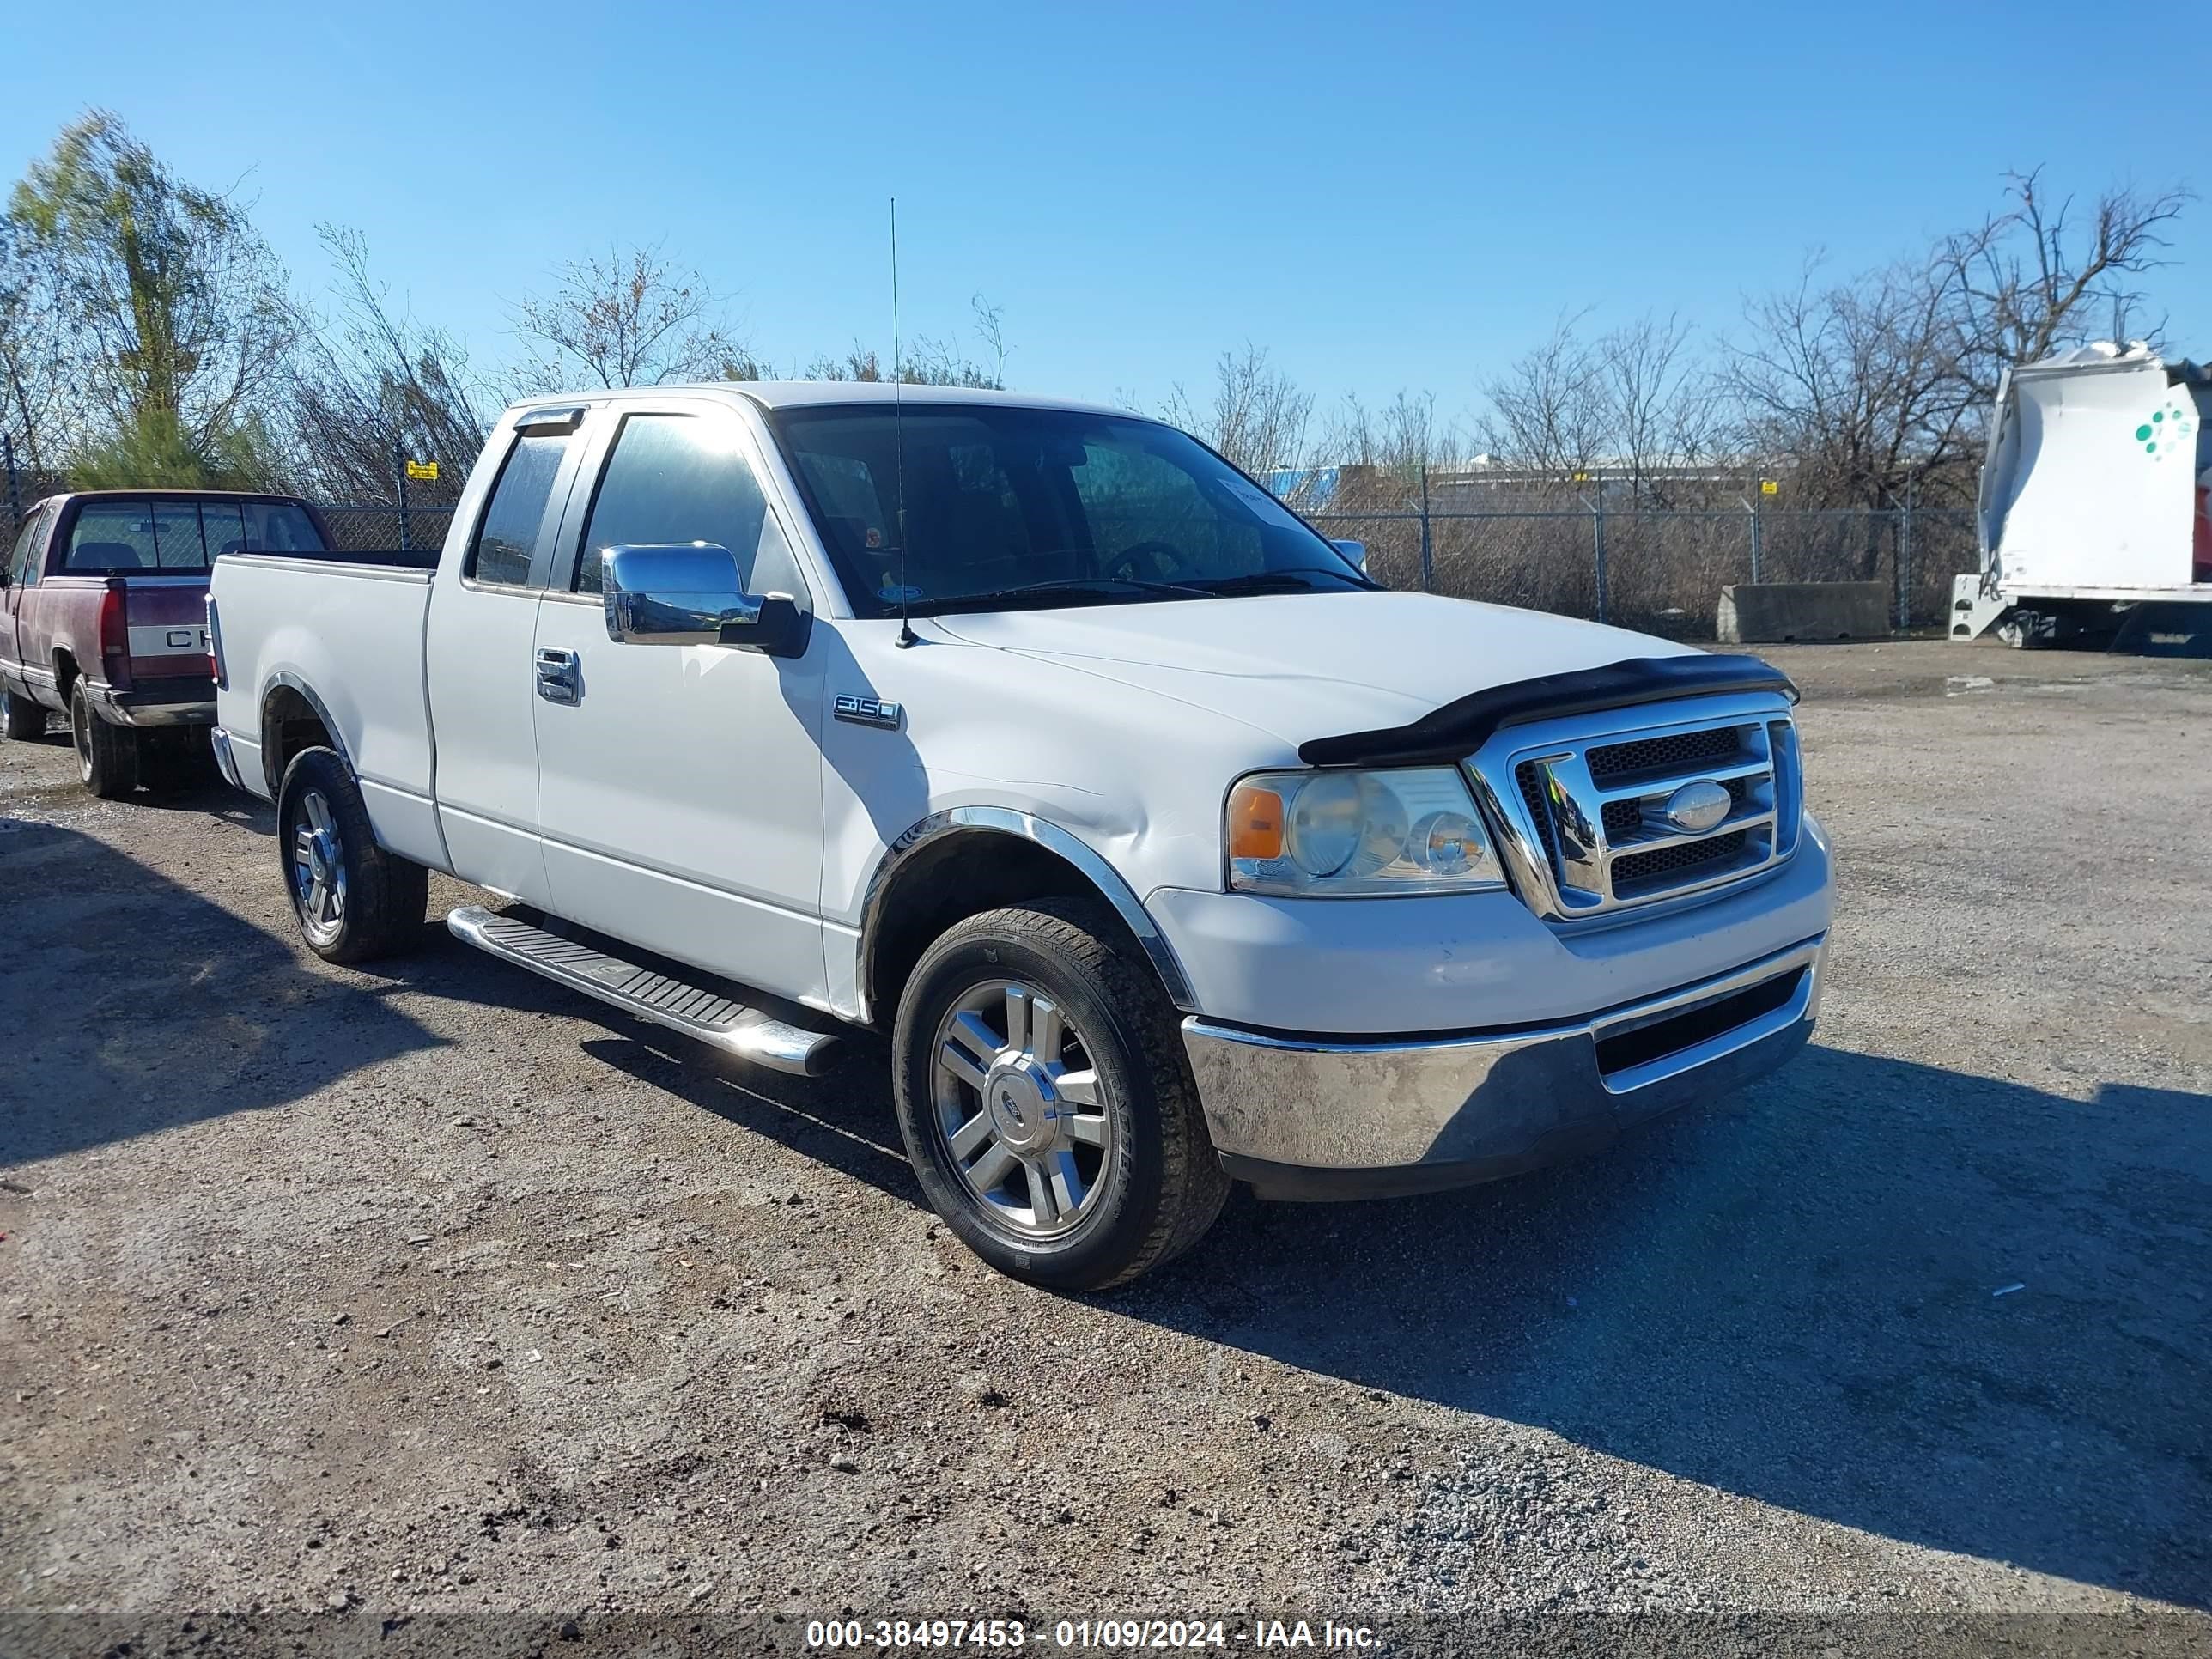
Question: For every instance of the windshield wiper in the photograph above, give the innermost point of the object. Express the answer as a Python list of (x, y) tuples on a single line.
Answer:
[(1287, 575), (994, 598)]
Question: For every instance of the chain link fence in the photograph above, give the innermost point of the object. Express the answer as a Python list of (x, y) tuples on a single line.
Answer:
[(1659, 571), (1662, 571)]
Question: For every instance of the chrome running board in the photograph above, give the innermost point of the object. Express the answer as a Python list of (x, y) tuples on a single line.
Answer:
[(702, 1015)]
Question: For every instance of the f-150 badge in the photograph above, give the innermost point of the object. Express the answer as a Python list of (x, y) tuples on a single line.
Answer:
[(868, 711)]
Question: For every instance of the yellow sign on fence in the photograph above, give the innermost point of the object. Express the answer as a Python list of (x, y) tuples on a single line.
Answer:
[(1766, 487), (427, 471)]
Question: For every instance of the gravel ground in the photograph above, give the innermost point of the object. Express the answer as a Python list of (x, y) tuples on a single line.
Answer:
[(437, 1288)]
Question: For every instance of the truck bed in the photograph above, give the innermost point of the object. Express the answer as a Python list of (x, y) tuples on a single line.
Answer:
[(353, 631)]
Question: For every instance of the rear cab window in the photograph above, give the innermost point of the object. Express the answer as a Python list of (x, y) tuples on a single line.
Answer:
[(506, 541), (183, 532)]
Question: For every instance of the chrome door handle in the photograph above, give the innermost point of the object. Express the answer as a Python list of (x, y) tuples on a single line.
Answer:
[(560, 677)]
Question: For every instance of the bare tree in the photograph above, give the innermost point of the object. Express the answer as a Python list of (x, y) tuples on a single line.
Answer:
[(371, 386), (1548, 411), (2034, 279), (1663, 410), (1858, 386), (1258, 416), (990, 328), (177, 320), (631, 319)]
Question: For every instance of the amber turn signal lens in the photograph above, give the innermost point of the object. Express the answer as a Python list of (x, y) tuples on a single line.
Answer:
[(1256, 823)]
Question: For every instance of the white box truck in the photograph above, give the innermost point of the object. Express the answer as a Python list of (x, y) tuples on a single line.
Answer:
[(2093, 497)]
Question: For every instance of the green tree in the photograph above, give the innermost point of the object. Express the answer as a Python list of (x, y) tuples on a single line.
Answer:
[(177, 322)]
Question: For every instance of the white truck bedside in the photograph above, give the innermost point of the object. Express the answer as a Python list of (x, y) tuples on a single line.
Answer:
[(1167, 849)]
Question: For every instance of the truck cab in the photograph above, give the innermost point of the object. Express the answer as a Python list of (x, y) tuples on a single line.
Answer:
[(103, 620), (1167, 848)]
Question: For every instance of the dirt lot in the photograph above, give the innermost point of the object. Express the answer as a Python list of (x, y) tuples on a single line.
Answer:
[(437, 1288)]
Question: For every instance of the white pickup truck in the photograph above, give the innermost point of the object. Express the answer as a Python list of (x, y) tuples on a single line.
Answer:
[(1167, 850)]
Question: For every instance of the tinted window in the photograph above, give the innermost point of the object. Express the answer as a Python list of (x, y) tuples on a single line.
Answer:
[(112, 536), (178, 544), (1007, 497), (680, 478), (506, 539), (272, 527)]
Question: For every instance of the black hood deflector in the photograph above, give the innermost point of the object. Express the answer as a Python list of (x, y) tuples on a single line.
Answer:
[(1459, 728)]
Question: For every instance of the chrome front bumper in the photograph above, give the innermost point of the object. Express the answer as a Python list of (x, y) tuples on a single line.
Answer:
[(1306, 1117)]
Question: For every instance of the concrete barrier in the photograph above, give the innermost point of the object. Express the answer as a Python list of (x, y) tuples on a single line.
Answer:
[(1752, 613)]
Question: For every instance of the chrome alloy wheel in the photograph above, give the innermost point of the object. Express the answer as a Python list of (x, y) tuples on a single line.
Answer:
[(318, 873), (1018, 1106)]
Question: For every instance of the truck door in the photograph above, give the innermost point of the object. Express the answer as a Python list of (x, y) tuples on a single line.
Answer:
[(477, 645), (23, 560), (679, 787)]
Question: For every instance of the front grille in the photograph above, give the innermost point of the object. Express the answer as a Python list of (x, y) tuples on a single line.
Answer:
[(1681, 752), (1594, 793), (1531, 779), (1634, 867)]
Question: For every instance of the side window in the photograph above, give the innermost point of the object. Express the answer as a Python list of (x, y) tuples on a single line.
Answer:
[(681, 478), (24, 554), (506, 535)]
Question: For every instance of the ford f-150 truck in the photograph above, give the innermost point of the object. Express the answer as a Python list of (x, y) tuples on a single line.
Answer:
[(103, 618), (1166, 849)]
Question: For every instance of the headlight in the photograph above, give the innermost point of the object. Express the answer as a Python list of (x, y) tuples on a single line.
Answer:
[(1341, 834)]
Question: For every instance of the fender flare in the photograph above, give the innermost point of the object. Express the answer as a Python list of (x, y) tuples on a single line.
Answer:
[(292, 682), (1003, 820)]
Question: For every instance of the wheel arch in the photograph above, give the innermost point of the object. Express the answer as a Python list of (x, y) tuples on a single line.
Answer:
[(959, 862), (293, 718)]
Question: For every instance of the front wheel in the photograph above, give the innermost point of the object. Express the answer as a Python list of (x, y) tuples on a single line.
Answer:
[(355, 900), (1044, 1099)]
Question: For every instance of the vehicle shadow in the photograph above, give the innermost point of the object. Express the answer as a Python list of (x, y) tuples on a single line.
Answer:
[(1852, 1291), (1800, 1293), (133, 1005)]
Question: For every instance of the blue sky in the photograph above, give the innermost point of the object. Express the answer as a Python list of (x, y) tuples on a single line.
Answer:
[(1384, 197)]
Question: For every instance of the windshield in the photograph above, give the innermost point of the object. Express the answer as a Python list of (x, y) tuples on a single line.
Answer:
[(1005, 504)]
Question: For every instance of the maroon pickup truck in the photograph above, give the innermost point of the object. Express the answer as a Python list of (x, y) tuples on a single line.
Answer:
[(103, 617)]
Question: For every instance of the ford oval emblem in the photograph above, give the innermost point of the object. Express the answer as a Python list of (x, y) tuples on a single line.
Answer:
[(1697, 807)]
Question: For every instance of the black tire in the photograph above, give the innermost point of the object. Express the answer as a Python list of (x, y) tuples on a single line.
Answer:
[(329, 852), (1157, 1185), (23, 720), (107, 755)]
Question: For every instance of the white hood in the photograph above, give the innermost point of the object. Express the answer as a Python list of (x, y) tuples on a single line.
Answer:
[(1304, 665)]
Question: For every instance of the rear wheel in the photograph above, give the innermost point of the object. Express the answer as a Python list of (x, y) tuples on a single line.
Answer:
[(1044, 1099), (24, 721), (107, 755), (353, 900)]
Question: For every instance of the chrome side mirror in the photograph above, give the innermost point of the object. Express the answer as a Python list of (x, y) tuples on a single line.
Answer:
[(687, 594), (1355, 552)]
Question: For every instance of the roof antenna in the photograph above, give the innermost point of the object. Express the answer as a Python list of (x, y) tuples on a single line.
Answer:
[(907, 636)]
